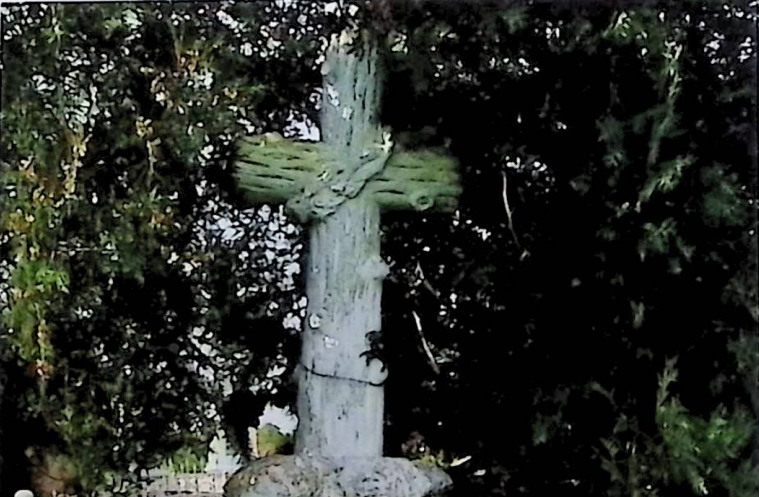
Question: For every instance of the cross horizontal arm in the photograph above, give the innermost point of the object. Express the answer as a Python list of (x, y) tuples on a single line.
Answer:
[(276, 170)]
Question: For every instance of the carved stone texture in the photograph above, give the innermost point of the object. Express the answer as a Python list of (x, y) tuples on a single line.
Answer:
[(274, 171), (340, 187)]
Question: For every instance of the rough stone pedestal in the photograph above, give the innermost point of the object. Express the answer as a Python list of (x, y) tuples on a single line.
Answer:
[(296, 476)]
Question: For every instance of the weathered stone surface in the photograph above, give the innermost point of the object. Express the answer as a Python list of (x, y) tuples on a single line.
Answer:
[(277, 171), (340, 187), (296, 476)]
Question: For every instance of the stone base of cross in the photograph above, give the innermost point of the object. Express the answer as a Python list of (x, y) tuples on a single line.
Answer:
[(313, 476), (340, 186)]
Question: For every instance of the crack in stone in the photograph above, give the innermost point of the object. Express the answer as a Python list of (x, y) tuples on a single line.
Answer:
[(339, 377)]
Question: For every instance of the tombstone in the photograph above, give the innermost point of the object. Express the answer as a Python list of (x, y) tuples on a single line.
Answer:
[(340, 186)]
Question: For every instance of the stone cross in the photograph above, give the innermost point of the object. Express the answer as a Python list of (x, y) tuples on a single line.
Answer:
[(339, 186)]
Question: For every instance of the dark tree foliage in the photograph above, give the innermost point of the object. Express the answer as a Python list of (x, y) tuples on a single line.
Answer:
[(624, 137), (120, 294)]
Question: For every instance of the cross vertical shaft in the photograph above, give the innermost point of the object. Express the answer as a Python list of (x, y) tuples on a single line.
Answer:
[(340, 407), (340, 414)]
